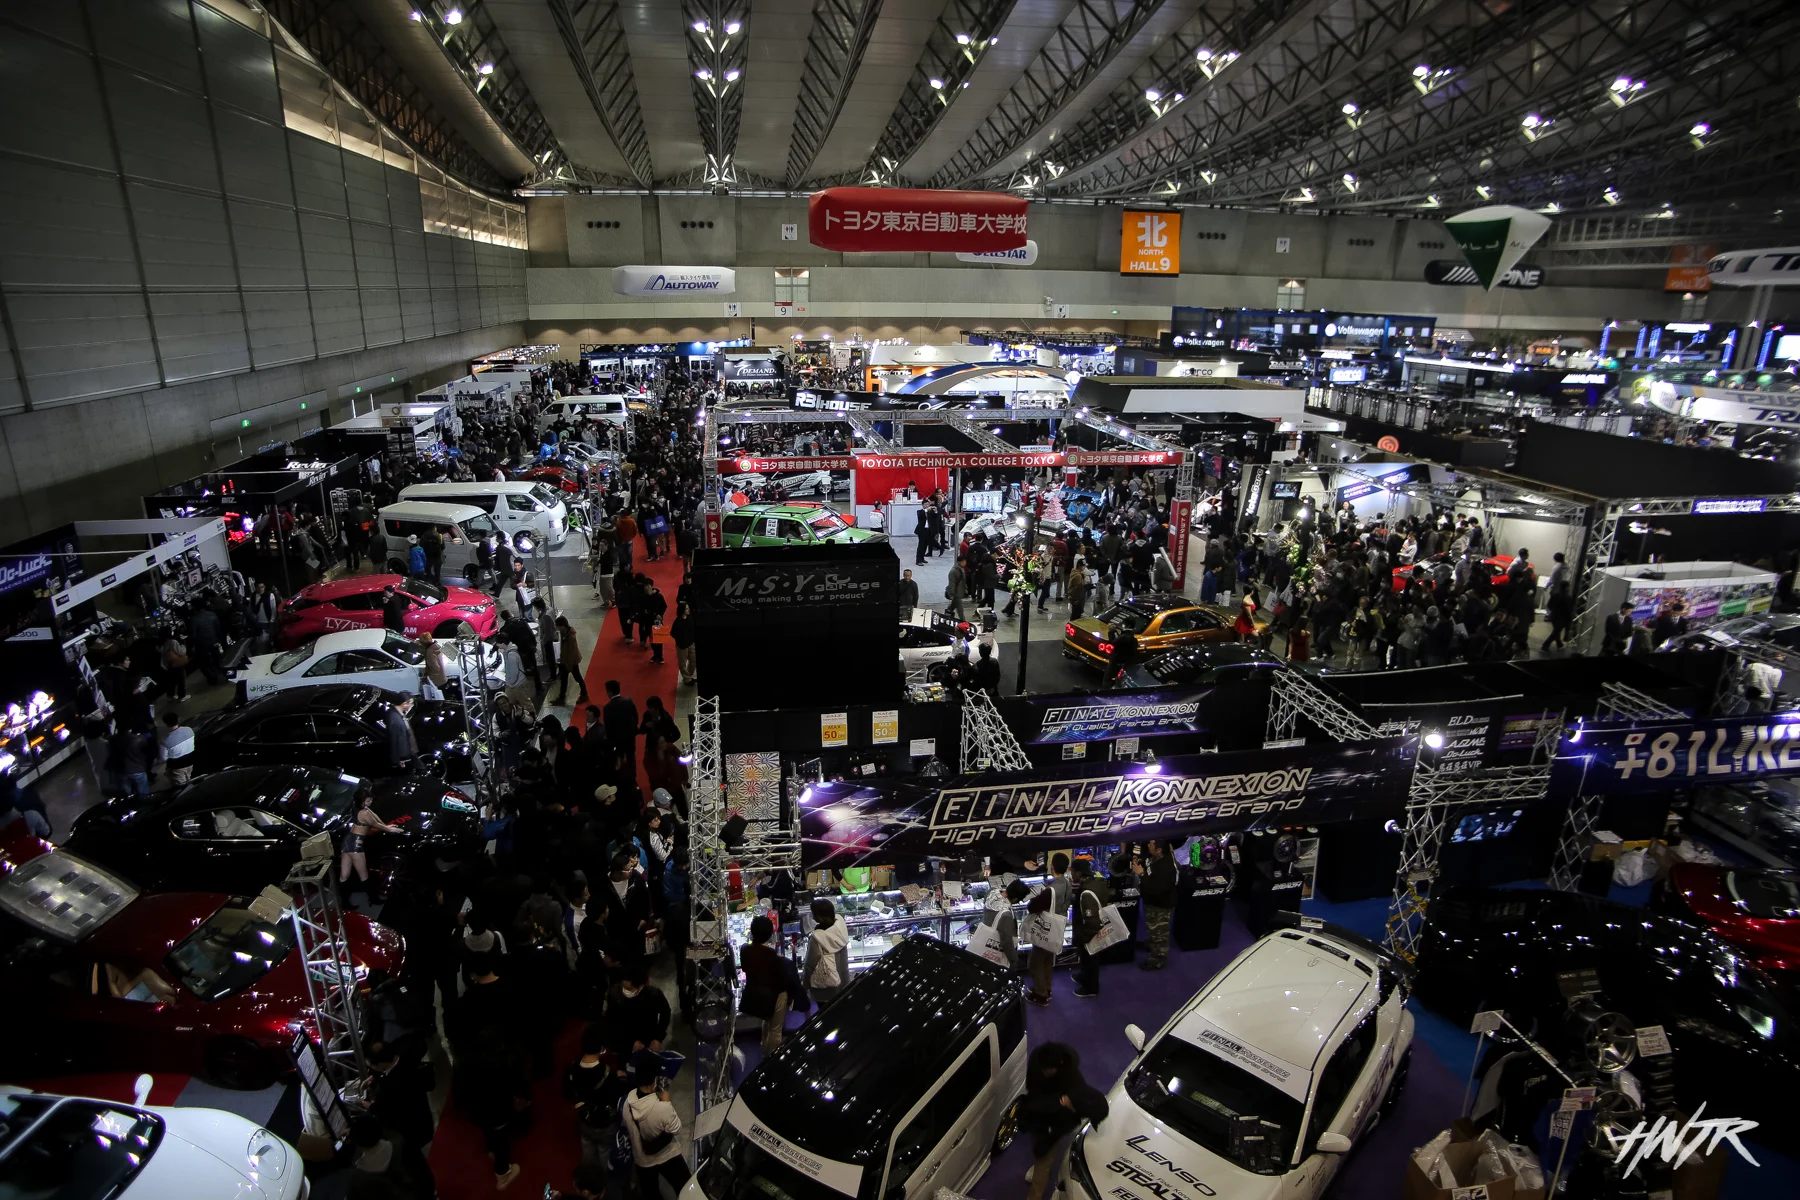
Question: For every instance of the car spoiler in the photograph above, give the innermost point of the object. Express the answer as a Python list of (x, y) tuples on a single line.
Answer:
[(1306, 924)]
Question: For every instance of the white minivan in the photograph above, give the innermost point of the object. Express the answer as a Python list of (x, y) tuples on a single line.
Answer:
[(897, 1089), (519, 507), (463, 527), (605, 410)]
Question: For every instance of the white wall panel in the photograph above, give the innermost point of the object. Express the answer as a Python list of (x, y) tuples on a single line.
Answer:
[(462, 255), (151, 37), (255, 158), (382, 324), (199, 334), (330, 257), (268, 246), (240, 72), (280, 327), (163, 135), (318, 175), (182, 238), (63, 228), (405, 211), (365, 185), (74, 347), (49, 104), (337, 321), (374, 250)]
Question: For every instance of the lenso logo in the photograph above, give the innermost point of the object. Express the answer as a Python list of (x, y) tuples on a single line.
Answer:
[(662, 283)]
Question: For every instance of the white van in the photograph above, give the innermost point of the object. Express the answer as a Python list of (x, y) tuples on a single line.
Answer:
[(462, 525), (606, 410), (519, 507)]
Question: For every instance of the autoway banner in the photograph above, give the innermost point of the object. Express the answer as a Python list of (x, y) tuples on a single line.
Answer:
[(1682, 754), (844, 824)]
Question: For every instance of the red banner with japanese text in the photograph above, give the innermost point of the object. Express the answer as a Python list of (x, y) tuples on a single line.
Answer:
[(745, 464), (1180, 515), (714, 531), (911, 219), (1126, 458)]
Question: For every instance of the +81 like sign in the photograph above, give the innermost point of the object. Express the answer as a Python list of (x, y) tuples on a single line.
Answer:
[(1667, 756)]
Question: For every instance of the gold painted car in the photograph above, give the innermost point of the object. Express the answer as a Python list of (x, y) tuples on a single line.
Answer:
[(1161, 622)]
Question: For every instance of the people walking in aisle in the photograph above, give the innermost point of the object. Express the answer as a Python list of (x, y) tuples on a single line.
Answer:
[(1157, 887), (1057, 1101)]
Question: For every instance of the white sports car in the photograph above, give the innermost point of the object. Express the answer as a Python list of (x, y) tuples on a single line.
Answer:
[(808, 483), (72, 1146), (373, 656), (928, 638), (1259, 1085), (745, 481)]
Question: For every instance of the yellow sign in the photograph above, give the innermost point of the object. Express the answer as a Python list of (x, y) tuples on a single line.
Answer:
[(834, 729), (1150, 243), (884, 726)]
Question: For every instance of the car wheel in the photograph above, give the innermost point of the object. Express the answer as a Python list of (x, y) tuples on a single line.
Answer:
[(395, 567), (1009, 1128), (1398, 1083), (453, 630), (239, 1063)]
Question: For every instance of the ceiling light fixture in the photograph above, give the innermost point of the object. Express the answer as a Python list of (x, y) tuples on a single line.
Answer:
[(1350, 110), (417, 15), (1152, 95), (732, 27), (1484, 191), (702, 27), (486, 68), (937, 85), (963, 39), (1611, 195), (703, 73), (732, 75), (1422, 71), (453, 16)]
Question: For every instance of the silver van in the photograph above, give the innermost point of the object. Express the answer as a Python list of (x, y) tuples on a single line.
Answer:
[(518, 507), (463, 527)]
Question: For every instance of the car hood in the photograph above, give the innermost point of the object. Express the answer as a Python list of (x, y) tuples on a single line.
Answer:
[(206, 1152), (1133, 1149), (855, 535)]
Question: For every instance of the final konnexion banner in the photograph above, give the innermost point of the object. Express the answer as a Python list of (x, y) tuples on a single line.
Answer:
[(849, 823)]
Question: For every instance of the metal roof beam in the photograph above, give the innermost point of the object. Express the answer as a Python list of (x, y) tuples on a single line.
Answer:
[(950, 63), (834, 50), (1080, 49), (595, 39), (476, 50), (717, 36)]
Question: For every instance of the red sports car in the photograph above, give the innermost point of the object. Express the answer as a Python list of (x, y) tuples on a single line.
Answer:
[(191, 983), (1754, 909), (565, 478), (357, 604), (1495, 563)]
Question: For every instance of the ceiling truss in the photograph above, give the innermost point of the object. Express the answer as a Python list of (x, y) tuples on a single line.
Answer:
[(718, 35), (834, 49), (595, 39), (963, 34), (1082, 47)]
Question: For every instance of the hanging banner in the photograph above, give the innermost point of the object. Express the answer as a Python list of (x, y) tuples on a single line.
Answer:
[(1495, 237), (745, 370), (1180, 517), (1678, 755), (1126, 458), (1024, 256), (714, 537), (1756, 268), (1150, 243), (846, 824), (1689, 272), (1144, 714), (927, 458), (857, 219), (1447, 272), (746, 464), (674, 281)]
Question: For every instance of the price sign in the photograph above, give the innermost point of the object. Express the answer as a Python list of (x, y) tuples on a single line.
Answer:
[(834, 729), (1074, 750), (1652, 1041), (1578, 1099), (1486, 1022), (884, 727)]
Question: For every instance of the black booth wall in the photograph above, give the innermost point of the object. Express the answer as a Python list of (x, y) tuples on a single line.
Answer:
[(1416, 443), (1602, 464)]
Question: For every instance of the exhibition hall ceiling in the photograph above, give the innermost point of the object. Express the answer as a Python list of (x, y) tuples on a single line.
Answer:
[(1380, 106)]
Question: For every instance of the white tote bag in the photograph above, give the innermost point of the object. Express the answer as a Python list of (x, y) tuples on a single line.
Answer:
[(1044, 931), (1112, 930), (984, 940)]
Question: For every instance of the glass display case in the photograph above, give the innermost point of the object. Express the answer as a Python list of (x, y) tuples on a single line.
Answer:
[(1761, 819)]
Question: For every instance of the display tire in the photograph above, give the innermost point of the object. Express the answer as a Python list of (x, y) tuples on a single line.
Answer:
[(1009, 1127), (1398, 1083), (240, 1064)]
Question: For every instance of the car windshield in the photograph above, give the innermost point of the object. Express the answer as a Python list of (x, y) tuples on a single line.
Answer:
[(429, 592), (543, 495), (403, 648), (288, 660), (828, 523), (1217, 1104), (79, 1150), (228, 953), (739, 1169), (1769, 897), (1127, 618)]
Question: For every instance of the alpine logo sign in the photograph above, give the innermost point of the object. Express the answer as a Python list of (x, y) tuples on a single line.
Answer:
[(1449, 273), (674, 281)]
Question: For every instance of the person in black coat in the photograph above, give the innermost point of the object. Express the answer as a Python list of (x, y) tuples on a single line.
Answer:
[(620, 718), (627, 899), (908, 593), (1618, 631), (1056, 1101), (393, 609), (637, 1014), (400, 1087)]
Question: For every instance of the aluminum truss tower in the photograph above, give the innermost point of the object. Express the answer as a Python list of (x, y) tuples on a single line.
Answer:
[(1618, 705), (478, 712), (325, 959), (986, 741)]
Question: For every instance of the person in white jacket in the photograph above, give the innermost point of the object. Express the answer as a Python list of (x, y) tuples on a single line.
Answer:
[(655, 1131), (827, 954)]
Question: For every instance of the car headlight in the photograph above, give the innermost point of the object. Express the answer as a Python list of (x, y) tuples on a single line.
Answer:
[(472, 608), (268, 1154), (1078, 1170)]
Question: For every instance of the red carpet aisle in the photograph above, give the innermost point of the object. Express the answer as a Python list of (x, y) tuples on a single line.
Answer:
[(549, 1152)]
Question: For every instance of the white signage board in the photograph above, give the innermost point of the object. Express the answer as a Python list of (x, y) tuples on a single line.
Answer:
[(674, 281), (1021, 256)]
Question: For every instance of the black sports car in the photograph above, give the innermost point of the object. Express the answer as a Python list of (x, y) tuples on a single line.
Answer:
[(1735, 1043), (340, 726), (240, 830), (1204, 665)]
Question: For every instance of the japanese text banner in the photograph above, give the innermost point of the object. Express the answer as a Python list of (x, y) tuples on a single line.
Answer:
[(912, 219)]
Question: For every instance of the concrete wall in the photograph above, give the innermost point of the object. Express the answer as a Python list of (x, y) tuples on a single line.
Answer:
[(1230, 258), (173, 252)]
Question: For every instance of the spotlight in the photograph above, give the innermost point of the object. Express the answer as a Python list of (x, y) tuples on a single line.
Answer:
[(702, 27), (1435, 740), (1152, 95), (417, 15), (453, 17), (1350, 110), (1151, 766), (732, 27), (731, 76), (937, 85), (962, 39), (486, 68), (703, 73), (1422, 71)]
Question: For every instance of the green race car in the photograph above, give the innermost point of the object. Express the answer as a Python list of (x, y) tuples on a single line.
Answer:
[(790, 525)]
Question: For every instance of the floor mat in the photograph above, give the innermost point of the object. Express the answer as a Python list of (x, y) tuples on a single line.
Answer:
[(629, 663)]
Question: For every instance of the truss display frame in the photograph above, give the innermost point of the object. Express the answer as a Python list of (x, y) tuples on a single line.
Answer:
[(324, 950)]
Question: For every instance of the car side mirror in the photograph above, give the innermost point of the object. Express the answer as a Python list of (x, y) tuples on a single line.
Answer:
[(140, 1090), (1333, 1143), (1135, 1035)]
